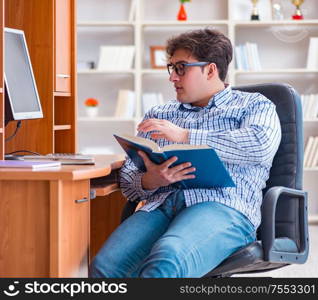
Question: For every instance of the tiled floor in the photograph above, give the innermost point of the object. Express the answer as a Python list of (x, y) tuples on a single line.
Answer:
[(309, 269)]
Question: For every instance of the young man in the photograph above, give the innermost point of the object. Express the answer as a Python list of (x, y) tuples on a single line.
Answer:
[(187, 233)]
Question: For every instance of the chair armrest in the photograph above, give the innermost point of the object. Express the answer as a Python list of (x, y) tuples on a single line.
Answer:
[(268, 233)]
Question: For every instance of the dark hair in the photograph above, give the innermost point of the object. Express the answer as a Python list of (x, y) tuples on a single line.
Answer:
[(204, 45)]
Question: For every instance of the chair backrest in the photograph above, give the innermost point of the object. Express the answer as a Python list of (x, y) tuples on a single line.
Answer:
[(287, 168)]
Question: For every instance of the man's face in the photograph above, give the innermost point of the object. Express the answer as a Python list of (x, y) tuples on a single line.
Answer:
[(192, 87)]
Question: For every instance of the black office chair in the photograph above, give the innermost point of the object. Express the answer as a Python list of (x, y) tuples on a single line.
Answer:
[(282, 238)]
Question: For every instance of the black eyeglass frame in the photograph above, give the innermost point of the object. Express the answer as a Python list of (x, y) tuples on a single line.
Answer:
[(194, 64)]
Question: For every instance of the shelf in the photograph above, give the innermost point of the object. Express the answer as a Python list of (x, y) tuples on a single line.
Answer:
[(275, 23), (277, 71), (62, 94), (103, 72), (311, 169), (104, 24), (310, 120), (62, 127), (105, 190), (105, 119), (313, 219), (184, 23)]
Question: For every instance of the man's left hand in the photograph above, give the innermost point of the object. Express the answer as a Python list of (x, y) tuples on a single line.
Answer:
[(164, 130)]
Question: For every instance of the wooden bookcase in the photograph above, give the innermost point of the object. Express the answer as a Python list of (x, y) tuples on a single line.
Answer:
[(50, 30)]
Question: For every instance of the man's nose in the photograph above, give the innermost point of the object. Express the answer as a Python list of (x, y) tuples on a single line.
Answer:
[(174, 76)]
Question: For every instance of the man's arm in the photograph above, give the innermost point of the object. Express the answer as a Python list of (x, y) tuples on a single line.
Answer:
[(130, 177), (130, 182), (137, 185)]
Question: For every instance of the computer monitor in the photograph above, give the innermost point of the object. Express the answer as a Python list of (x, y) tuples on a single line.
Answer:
[(21, 94)]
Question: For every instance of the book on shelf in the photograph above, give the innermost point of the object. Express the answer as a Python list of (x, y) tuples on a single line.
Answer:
[(308, 148), (239, 57), (132, 10), (63, 158), (210, 171), (304, 104), (151, 99), (33, 165), (314, 162), (314, 149), (247, 57), (250, 56), (125, 106), (113, 58), (256, 57), (311, 151), (312, 56), (310, 106)]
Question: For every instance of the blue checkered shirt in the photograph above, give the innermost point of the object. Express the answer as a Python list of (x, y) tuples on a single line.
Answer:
[(243, 128)]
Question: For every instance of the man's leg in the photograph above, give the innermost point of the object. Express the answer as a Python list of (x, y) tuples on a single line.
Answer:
[(129, 244), (197, 240)]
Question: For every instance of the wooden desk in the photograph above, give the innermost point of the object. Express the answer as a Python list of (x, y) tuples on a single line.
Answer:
[(45, 219)]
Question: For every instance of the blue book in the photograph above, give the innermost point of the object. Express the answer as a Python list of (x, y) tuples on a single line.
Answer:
[(210, 171)]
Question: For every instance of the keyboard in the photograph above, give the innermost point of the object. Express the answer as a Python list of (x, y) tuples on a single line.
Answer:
[(64, 158)]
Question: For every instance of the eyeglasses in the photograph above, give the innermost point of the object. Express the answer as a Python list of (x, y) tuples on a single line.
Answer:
[(180, 67)]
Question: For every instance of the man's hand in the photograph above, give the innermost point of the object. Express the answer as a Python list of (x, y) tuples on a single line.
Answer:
[(161, 175), (164, 130)]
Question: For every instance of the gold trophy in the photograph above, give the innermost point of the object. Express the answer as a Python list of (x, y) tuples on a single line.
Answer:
[(298, 14), (254, 15)]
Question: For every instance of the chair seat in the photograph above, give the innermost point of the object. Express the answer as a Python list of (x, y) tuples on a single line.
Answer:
[(251, 259)]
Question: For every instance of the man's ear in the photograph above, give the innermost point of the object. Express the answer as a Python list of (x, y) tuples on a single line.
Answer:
[(212, 70)]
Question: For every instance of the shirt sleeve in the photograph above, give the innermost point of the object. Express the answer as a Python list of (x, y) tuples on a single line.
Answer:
[(130, 182), (256, 141), (130, 178)]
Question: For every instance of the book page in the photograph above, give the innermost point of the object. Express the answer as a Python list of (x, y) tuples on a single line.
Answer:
[(139, 140), (183, 147)]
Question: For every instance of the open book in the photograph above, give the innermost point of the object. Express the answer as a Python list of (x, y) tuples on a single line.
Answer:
[(210, 171)]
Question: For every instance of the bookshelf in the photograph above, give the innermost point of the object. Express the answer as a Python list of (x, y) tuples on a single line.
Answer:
[(106, 22)]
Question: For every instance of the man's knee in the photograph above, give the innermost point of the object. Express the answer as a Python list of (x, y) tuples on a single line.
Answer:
[(165, 260), (97, 268)]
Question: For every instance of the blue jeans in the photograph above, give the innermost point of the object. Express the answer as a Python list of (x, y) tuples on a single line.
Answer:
[(173, 241)]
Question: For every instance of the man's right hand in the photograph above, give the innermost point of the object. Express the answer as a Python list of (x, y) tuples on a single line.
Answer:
[(161, 175)]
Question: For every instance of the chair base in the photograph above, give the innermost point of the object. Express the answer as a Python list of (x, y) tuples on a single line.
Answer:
[(246, 260)]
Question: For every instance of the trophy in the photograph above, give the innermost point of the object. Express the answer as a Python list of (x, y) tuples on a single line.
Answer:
[(298, 14), (254, 15)]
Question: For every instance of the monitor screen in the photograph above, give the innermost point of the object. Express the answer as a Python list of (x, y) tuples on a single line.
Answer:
[(22, 99)]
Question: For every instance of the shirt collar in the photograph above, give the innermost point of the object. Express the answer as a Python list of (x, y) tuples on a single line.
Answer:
[(221, 98)]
